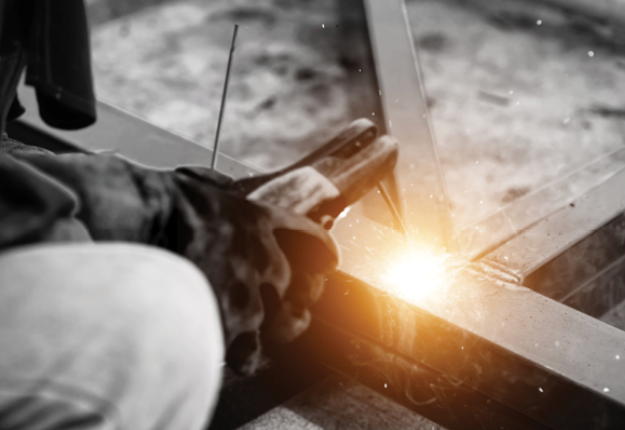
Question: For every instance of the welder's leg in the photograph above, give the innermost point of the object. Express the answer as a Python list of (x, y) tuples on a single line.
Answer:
[(106, 336)]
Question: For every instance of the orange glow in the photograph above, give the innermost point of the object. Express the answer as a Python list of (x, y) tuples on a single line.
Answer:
[(417, 273)]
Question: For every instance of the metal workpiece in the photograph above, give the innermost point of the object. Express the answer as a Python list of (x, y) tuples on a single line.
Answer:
[(601, 293), (572, 254), (550, 236), (556, 365), (479, 239), (520, 348), (560, 278), (447, 401), (131, 136), (422, 195)]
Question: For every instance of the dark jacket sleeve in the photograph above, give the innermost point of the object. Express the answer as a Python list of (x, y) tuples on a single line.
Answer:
[(34, 207)]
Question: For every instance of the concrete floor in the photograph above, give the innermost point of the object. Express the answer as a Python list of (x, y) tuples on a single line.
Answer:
[(342, 404)]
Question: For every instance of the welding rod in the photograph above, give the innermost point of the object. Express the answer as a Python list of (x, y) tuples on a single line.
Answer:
[(222, 108), (394, 211)]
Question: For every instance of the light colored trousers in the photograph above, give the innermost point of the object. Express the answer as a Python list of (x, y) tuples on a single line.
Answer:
[(106, 336)]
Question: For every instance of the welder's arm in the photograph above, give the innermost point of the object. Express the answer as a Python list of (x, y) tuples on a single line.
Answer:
[(265, 264)]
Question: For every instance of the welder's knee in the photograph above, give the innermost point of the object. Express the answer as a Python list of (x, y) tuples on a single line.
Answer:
[(120, 335)]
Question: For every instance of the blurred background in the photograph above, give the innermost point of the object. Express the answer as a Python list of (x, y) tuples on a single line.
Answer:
[(520, 93)]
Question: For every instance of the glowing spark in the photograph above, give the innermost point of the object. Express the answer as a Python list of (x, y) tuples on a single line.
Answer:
[(344, 213), (417, 273)]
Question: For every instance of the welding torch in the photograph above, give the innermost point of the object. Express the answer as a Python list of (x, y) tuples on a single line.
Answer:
[(354, 162), (328, 180)]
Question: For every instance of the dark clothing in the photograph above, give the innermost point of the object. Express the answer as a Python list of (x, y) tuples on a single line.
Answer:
[(266, 264), (51, 38), (31, 202)]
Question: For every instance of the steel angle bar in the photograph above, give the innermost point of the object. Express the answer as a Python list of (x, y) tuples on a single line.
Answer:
[(123, 132), (552, 363), (601, 293), (574, 254), (551, 236), (562, 277), (442, 399), (485, 236), (419, 178)]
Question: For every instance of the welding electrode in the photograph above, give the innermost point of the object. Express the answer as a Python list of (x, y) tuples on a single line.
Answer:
[(394, 211), (222, 107)]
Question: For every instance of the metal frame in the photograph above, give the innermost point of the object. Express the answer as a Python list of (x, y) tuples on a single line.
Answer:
[(487, 351), (423, 195)]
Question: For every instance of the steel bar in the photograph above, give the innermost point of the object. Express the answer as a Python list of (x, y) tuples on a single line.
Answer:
[(131, 136), (444, 400), (419, 179), (601, 293), (547, 238), (478, 239), (356, 56), (522, 349), (560, 277)]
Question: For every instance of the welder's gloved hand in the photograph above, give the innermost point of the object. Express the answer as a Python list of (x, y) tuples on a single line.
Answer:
[(266, 264)]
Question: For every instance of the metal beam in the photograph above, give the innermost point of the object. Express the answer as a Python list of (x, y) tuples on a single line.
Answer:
[(434, 395), (547, 238), (477, 240), (126, 133), (552, 363), (419, 178)]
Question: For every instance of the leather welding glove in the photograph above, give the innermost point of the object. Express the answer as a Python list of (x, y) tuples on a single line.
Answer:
[(267, 264)]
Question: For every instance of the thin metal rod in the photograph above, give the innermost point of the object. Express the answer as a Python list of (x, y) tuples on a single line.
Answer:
[(394, 211), (222, 108)]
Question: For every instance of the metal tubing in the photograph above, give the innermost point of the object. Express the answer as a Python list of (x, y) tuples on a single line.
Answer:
[(552, 363), (420, 183), (483, 237), (131, 136)]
